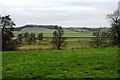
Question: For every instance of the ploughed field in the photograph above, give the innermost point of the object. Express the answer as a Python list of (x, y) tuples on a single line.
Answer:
[(82, 63)]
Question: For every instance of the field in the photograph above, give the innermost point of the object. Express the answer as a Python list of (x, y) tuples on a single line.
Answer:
[(74, 40), (72, 43), (49, 32), (78, 59), (83, 63)]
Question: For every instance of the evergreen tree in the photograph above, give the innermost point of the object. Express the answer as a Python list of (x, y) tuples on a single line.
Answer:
[(7, 24)]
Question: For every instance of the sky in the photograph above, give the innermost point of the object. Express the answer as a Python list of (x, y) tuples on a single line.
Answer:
[(66, 13)]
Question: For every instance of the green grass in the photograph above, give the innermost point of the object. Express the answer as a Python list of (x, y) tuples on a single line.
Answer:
[(49, 32), (0, 64), (72, 43), (83, 63)]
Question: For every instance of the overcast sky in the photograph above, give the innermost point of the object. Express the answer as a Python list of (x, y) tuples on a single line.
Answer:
[(65, 13)]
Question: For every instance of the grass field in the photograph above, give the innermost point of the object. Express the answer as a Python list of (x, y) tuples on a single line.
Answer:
[(83, 63), (49, 32), (71, 43), (46, 44)]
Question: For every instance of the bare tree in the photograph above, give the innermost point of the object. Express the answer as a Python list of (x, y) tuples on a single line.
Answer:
[(115, 29), (96, 42)]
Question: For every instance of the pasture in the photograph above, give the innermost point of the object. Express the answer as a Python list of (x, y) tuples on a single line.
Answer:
[(83, 63), (74, 40), (71, 43), (49, 32), (78, 59)]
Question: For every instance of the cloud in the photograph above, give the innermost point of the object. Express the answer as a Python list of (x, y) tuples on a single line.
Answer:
[(62, 12)]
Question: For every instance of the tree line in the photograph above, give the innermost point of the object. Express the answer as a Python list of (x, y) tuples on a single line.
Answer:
[(35, 26), (28, 37), (58, 41)]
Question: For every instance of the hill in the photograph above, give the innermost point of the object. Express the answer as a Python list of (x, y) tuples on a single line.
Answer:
[(35, 26), (48, 32)]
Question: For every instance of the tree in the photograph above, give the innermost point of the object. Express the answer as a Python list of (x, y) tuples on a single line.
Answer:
[(33, 37), (100, 37), (40, 36), (19, 38), (7, 24), (115, 27), (29, 39), (97, 40), (25, 36), (58, 39)]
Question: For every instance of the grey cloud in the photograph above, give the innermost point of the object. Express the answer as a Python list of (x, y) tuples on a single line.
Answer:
[(73, 13)]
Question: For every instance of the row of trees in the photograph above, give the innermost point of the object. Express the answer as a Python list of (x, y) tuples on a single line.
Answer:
[(29, 37), (58, 41), (8, 41)]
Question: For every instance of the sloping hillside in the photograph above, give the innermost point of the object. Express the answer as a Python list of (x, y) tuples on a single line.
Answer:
[(48, 32)]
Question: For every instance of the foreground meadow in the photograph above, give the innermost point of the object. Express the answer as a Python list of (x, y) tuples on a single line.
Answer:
[(83, 63)]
